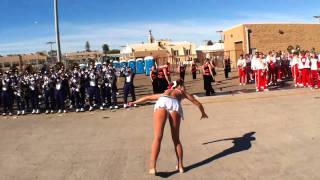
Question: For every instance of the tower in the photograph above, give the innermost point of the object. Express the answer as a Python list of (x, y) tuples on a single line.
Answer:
[(150, 37)]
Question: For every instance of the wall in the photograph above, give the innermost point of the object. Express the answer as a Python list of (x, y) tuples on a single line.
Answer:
[(231, 36), (266, 37)]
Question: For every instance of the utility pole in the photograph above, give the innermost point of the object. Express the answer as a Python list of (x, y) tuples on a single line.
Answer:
[(56, 22)]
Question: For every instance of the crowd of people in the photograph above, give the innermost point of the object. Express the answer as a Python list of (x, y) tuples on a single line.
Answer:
[(268, 70), (55, 89)]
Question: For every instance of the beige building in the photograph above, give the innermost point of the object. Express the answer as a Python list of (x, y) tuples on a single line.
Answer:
[(20, 61), (163, 51), (214, 52), (249, 38)]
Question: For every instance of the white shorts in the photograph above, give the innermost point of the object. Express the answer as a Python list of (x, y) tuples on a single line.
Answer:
[(170, 104)]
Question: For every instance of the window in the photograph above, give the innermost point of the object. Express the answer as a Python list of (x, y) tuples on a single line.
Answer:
[(187, 52), (176, 53)]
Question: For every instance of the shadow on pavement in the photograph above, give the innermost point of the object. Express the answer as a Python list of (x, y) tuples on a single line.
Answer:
[(239, 144)]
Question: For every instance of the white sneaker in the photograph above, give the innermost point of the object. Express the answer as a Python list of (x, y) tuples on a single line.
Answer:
[(18, 113), (52, 111), (116, 107), (77, 110), (110, 107), (103, 104), (38, 111), (23, 112), (65, 111), (10, 114), (91, 108), (47, 111), (257, 90), (3, 114), (59, 111), (125, 105), (240, 84), (101, 108), (82, 110), (135, 105), (33, 111)]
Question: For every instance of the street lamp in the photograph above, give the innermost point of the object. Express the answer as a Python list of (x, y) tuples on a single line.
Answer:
[(317, 17), (56, 22), (221, 35), (51, 43)]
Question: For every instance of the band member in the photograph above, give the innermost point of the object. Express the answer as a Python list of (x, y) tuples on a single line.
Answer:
[(168, 70), (6, 97), (207, 78), (83, 87), (305, 66), (110, 89), (128, 86), (34, 92), (154, 80), (48, 91), (75, 90), (19, 93), (227, 67), (272, 73), (182, 71), (241, 64), (163, 80), (93, 90), (59, 93), (261, 66), (295, 69), (249, 71), (315, 82), (194, 70)]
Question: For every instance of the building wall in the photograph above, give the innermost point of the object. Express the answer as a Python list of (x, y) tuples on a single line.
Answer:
[(271, 37), (231, 37), (277, 37), (163, 51)]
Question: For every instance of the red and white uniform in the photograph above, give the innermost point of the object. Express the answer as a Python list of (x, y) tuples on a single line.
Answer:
[(271, 60), (304, 64), (295, 69), (261, 66), (314, 72), (241, 64)]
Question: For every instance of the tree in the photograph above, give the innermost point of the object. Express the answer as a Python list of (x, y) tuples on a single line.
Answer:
[(209, 43), (87, 46), (105, 48)]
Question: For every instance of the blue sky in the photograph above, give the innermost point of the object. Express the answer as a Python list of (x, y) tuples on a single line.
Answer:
[(25, 25)]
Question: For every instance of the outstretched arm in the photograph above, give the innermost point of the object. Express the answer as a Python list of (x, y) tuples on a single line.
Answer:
[(145, 99), (197, 103)]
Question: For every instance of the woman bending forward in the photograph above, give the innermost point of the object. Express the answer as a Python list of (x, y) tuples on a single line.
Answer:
[(169, 105)]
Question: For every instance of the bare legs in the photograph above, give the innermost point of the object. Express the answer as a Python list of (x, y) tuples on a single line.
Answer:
[(174, 120), (159, 122)]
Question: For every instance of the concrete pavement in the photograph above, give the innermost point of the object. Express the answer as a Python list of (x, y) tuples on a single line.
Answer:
[(271, 135)]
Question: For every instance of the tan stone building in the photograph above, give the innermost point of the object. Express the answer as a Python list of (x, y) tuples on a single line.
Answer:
[(214, 52), (249, 38), (163, 51), (20, 61)]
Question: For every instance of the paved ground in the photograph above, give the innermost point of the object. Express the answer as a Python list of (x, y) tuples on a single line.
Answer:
[(272, 135)]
